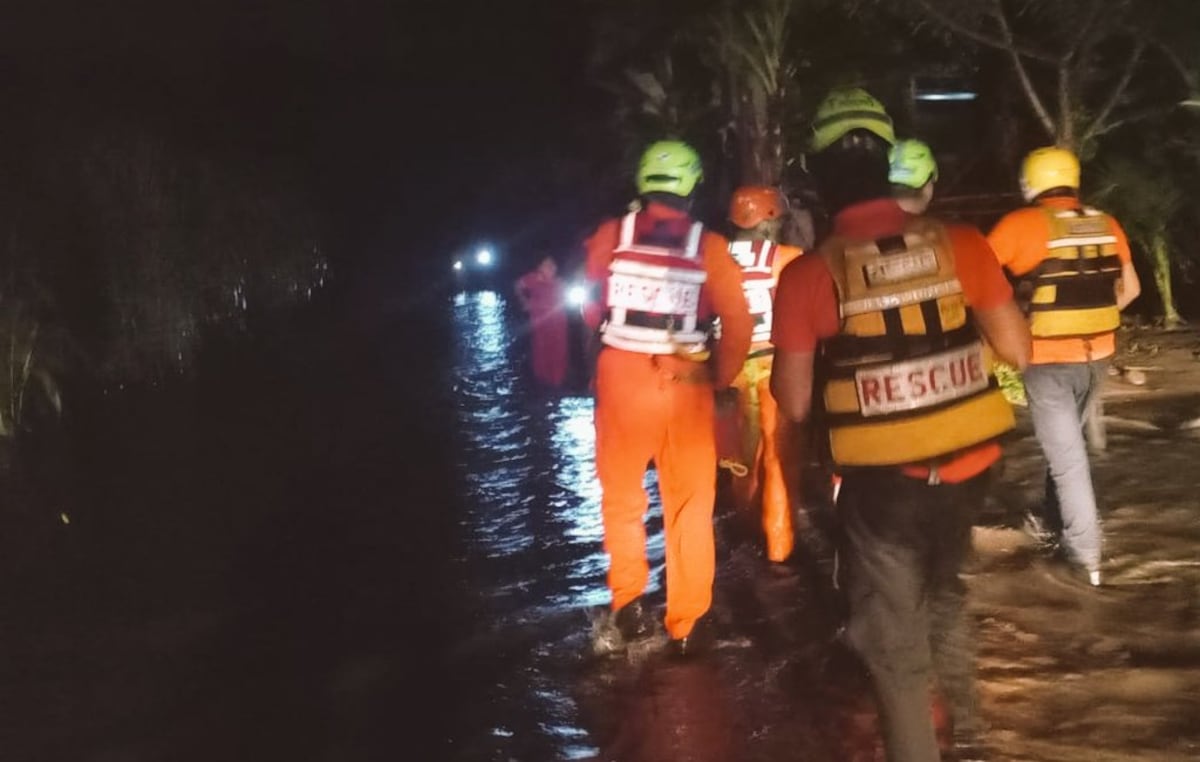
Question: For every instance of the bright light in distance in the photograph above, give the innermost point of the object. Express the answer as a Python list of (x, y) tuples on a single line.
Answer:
[(576, 295), (954, 95), (484, 257), (458, 265)]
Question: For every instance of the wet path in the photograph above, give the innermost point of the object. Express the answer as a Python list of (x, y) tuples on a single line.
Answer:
[(534, 555)]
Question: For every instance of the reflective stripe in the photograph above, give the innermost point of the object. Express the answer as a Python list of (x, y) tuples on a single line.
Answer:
[(750, 260), (1100, 240), (890, 301)]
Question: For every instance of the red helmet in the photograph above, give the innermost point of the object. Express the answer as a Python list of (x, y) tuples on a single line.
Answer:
[(752, 204)]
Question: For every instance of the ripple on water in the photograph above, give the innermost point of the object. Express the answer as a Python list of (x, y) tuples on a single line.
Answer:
[(533, 514)]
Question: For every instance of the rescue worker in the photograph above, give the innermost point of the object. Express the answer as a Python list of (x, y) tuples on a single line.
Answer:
[(1075, 276), (885, 325), (757, 216), (540, 294), (912, 172), (662, 278)]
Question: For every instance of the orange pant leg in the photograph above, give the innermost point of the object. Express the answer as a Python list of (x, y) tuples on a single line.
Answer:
[(776, 509), (687, 460), (630, 425)]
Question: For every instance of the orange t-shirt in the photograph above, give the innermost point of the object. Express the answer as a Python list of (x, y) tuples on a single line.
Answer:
[(721, 296), (784, 255), (806, 304), (1019, 240)]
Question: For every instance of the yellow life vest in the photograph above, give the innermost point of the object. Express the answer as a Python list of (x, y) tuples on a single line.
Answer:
[(1073, 289), (908, 378)]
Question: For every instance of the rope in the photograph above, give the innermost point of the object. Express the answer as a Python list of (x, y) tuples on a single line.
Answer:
[(734, 467)]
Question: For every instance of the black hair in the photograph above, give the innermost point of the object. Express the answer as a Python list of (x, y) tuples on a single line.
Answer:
[(852, 170), (1060, 191)]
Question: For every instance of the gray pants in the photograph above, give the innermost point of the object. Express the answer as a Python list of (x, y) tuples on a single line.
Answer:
[(1059, 398), (905, 543)]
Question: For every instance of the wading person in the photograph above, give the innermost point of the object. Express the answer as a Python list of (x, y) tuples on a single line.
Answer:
[(894, 308), (540, 294), (757, 215), (1075, 276), (912, 172), (662, 279)]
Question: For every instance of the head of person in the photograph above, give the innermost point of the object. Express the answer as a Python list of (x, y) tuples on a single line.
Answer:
[(912, 172), (669, 172), (548, 267), (852, 134), (1048, 172), (756, 212)]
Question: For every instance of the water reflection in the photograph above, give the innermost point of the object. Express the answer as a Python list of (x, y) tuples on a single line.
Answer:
[(534, 528), (529, 469)]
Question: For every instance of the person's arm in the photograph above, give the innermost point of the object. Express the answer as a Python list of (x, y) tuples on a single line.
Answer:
[(792, 384), (1007, 332), (805, 312), (990, 296), (1128, 286), (598, 249), (728, 300)]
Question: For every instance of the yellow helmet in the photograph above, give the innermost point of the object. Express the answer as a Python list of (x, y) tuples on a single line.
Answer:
[(846, 110), (1046, 169)]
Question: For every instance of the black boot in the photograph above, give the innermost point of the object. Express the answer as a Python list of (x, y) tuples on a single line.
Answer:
[(696, 642), (633, 621)]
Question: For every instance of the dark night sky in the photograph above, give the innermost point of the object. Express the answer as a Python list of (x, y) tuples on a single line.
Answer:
[(400, 114)]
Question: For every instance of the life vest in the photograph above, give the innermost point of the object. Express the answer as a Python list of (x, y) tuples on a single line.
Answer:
[(908, 378), (654, 283), (757, 260), (1073, 289)]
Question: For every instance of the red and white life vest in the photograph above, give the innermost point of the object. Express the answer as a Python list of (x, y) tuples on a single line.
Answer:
[(654, 283), (757, 260)]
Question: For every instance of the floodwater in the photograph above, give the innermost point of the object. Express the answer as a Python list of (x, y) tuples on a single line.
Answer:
[(377, 540)]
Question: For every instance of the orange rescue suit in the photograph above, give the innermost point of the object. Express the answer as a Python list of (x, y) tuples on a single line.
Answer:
[(652, 405), (761, 263)]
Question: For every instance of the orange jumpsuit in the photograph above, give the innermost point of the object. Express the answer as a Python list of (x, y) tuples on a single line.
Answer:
[(659, 407), (760, 414)]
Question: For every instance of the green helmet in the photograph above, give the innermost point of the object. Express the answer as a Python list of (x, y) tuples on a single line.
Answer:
[(669, 166), (912, 164), (846, 110)]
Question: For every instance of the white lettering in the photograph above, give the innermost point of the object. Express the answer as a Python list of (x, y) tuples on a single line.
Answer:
[(662, 297), (921, 383)]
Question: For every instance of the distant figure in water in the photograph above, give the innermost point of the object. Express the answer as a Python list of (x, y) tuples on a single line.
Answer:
[(540, 293)]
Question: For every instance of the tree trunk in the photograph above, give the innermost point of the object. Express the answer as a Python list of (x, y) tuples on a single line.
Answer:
[(758, 138), (1162, 277)]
